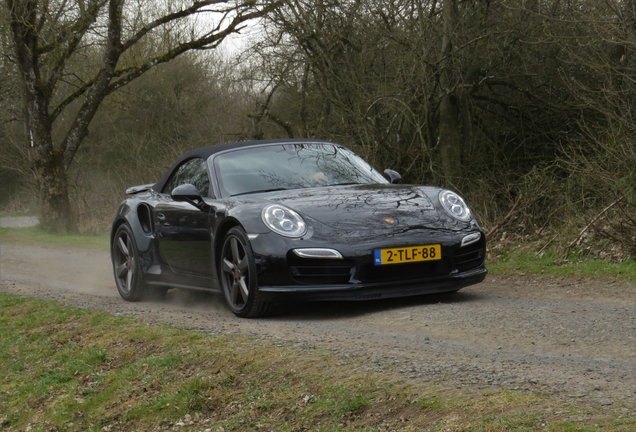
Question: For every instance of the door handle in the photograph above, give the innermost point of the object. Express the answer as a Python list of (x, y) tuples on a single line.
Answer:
[(161, 217)]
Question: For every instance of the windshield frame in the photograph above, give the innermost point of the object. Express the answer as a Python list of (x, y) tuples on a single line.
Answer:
[(216, 169)]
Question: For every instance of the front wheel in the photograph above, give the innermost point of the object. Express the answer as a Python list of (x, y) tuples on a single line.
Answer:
[(238, 277), (126, 265)]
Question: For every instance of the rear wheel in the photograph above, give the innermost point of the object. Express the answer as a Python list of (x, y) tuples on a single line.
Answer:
[(238, 276), (125, 260)]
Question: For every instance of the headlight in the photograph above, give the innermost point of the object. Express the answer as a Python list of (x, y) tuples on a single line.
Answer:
[(283, 221), (454, 205)]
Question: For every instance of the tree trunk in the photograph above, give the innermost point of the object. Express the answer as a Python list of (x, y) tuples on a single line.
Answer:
[(52, 181), (55, 211), (449, 138)]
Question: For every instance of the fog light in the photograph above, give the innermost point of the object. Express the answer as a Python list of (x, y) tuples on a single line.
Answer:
[(318, 253)]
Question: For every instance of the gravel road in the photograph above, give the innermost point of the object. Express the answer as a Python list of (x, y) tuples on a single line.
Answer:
[(573, 338), (18, 222)]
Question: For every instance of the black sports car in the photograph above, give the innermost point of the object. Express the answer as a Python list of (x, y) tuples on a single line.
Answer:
[(266, 222)]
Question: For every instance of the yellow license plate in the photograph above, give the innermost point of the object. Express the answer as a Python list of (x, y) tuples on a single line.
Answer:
[(407, 254)]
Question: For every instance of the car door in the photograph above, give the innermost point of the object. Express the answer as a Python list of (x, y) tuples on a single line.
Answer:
[(183, 230)]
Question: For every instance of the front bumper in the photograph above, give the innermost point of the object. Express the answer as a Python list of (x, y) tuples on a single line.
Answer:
[(284, 276), (373, 291)]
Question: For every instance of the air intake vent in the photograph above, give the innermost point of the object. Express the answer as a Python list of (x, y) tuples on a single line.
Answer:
[(319, 271), (401, 272), (470, 256)]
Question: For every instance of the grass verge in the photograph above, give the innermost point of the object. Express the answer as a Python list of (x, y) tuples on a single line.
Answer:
[(37, 235), (67, 369), (15, 214), (552, 264)]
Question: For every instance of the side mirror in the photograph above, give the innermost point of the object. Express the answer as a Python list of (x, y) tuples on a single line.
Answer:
[(392, 176), (188, 193)]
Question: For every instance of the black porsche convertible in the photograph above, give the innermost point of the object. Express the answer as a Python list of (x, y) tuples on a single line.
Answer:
[(269, 222)]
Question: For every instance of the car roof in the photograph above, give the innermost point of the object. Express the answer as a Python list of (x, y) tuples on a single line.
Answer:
[(206, 152)]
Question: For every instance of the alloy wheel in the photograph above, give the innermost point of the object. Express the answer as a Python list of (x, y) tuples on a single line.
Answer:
[(236, 273), (124, 261)]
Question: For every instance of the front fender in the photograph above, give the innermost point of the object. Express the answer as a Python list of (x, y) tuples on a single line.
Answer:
[(249, 217)]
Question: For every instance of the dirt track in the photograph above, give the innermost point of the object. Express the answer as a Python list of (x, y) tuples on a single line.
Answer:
[(573, 338)]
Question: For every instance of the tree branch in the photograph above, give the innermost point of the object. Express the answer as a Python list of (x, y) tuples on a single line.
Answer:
[(578, 238), (79, 128), (505, 219), (166, 19), (77, 32), (75, 28), (135, 72), (102, 84), (206, 42)]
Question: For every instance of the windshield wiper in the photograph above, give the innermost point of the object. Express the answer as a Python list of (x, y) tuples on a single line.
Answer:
[(259, 191)]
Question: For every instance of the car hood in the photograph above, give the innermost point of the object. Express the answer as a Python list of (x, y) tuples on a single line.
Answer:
[(363, 207)]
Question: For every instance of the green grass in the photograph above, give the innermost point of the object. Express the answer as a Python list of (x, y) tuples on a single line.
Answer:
[(16, 214), (551, 264), (67, 369), (37, 235)]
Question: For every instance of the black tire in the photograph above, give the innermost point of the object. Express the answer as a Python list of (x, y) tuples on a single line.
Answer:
[(126, 269), (237, 270)]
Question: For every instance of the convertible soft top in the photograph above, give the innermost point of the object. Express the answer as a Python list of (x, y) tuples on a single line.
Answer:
[(206, 152)]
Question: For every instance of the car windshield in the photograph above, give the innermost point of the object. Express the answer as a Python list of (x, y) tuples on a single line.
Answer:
[(291, 166)]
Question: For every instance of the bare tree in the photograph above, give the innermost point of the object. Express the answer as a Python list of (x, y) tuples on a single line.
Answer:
[(72, 54)]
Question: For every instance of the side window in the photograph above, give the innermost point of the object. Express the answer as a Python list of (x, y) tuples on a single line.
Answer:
[(194, 172)]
